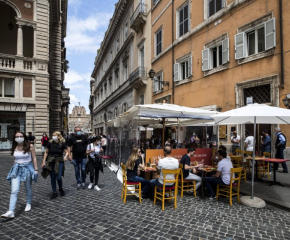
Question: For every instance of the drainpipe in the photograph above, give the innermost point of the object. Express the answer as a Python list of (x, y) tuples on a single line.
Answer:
[(281, 42), (172, 28)]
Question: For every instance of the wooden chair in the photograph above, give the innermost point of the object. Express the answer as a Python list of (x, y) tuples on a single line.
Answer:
[(234, 188), (264, 167), (238, 162), (135, 185), (185, 185), (161, 195)]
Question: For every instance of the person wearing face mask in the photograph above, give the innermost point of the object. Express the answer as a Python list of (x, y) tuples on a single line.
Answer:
[(95, 161), (77, 147), (22, 171), (54, 165), (44, 141)]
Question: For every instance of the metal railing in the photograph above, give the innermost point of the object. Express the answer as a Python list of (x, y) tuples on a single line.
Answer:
[(140, 72), (141, 9)]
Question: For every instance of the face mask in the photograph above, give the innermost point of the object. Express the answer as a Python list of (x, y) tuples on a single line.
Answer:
[(54, 138), (19, 140), (79, 133)]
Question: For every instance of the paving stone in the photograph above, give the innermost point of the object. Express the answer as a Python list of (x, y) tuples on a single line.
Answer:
[(90, 214)]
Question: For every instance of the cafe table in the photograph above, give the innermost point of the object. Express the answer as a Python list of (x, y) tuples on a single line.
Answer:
[(148, 173)]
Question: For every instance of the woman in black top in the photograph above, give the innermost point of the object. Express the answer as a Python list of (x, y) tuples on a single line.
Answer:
[(54, 165), (134, 163)]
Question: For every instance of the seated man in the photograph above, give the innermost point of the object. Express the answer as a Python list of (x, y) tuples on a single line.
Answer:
[(169, 163), (215, 158), (185, 160), (223, 174)]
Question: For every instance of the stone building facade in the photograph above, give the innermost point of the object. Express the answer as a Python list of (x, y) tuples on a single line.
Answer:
[(222, 53), (79, 118), (25, 66), (120, 76)]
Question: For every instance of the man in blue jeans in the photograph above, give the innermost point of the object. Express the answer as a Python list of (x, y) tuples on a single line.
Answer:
[(223, 174), (280, 145), (77, 145)]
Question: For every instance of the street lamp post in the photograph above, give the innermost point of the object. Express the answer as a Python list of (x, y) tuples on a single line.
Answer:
[(286, 101), (152, 73)]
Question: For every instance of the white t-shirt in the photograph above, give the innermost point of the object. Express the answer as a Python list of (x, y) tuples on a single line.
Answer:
[(21, 157), (236, 139), (224, 166), (250, 141), (96, 147), (169, 163)]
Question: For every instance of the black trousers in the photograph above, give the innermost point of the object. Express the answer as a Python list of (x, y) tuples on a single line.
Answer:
[(94, 171)]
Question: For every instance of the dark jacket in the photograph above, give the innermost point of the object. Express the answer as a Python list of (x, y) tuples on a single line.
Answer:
[(47, 170)]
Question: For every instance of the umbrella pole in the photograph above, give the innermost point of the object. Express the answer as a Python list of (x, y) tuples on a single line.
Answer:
[(163, 120), (254, 153), (242, 142), (205, 136)]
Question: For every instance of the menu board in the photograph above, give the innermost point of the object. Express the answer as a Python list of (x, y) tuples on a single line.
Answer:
[(223, 131)]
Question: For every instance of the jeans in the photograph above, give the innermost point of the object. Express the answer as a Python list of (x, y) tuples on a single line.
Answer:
[(145, 184), (80, 165), (208, 181), (58, 177), (155, 182), (15, 186), (234, 147), (194, 177), (94, 171)]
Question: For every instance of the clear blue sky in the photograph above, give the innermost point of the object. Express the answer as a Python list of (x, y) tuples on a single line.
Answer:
[(87, 22)]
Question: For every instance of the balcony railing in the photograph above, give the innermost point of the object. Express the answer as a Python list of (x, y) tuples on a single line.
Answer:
[(7, 62), (137, 18), (140, 72), (13, 62)]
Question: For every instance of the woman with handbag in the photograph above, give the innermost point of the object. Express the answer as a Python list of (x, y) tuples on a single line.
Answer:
[(22, 171), (95, 161), (133, 165), (53, 162)]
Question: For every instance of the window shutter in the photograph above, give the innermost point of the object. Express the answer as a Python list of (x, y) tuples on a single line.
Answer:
[(240, 50), (190, 66), (223, 3), (162, 80), (154, 84), (225, 46), (205, 59), (270, 34), (176, 72)]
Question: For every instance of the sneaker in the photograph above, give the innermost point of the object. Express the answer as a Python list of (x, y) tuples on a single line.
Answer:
[(90, 186), (212, 198), (97, 188), (9, 214), (53, 196), (28, 207), (79, 186), (83, 185), (62, 193)]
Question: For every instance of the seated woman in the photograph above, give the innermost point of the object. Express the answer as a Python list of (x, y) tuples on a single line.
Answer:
[(223, 174), (134, 163)]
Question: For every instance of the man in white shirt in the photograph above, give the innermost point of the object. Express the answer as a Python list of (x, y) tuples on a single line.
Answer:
[(249, 141), (169, 163), (223, 174), (235, 139)]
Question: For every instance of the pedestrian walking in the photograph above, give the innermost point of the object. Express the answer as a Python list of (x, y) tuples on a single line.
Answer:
[(22, 171), (53, 162), (280, 145), (95, 161), (77, 147), (44, 141), (31, 138)]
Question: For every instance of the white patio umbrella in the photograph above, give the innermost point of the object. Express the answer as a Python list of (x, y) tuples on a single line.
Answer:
[(254, 113)]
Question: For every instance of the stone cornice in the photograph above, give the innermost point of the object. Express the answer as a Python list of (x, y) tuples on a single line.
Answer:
[(25, 22), (64, 17), (114, 22)]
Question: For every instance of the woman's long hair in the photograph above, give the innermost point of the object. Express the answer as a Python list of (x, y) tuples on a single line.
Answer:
[(132, 159), (60, 137), (26, 144)]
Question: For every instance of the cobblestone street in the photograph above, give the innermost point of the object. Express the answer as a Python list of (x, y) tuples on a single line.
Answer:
[(89, 214)]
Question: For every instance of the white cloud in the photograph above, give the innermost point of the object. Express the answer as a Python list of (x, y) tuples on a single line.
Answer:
[(85, 35), (73, 77)]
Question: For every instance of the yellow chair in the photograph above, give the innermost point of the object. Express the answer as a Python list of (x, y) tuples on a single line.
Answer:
[(238, 152), (264, 167), (161, 195), (185, 185), (234, 187), (125, 191), (237, 162)]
